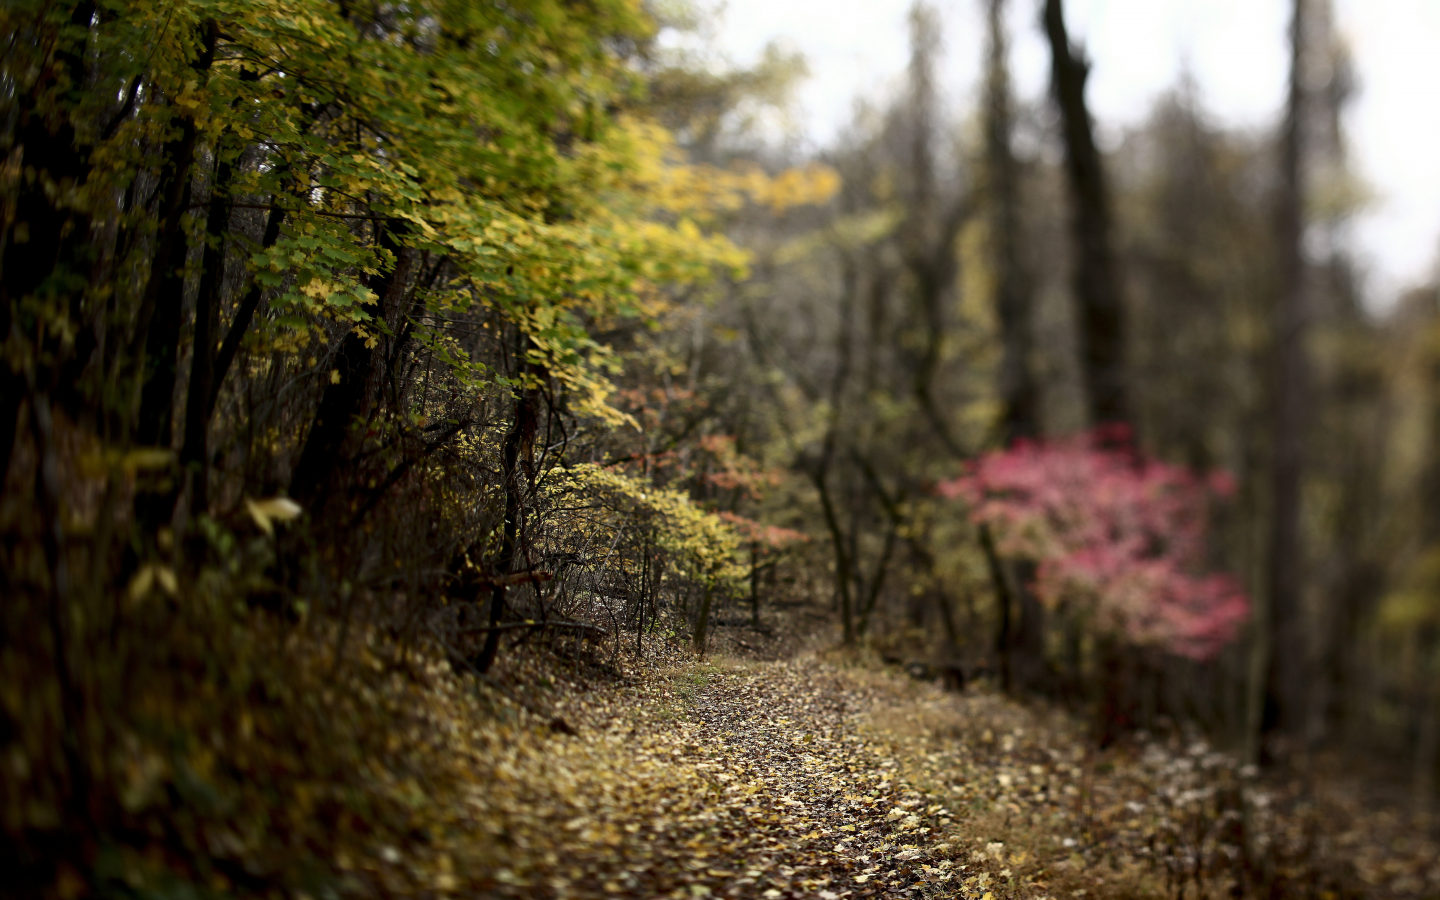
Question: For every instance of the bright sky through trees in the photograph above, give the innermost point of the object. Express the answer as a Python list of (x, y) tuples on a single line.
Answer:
[(1234, 48)]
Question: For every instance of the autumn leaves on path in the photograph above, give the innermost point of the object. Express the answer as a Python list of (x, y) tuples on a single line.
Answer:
[(808, 778), (800, 801), (706, 782)]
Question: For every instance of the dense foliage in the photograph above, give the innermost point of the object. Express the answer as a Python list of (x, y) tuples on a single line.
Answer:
[(1119, 539), (314, 317)]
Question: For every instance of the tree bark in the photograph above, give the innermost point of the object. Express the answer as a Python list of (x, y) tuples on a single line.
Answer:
[(842, 563), (517, 456), (157, 325), (702, 622), (1018, 392), (46, 244), (1285, 672), (244, 315), (194, 453), (345, 397), (819, 471), (1097, 281), (1004, 636)]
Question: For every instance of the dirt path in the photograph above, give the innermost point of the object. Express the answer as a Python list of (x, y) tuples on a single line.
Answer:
[(805, 804), (743, 782), (806, 779)]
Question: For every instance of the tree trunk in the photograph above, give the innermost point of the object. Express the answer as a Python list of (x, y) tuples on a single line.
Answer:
[(517, 458), (345, 397), (1113, 712), (1097, 281), (157, 324), (754, 586), (819, 471), (244, 315), (194, 452), (1030, 669), (1005, 603), (45, 244), (842, 563), (1285, 678), (1018, 392), (1427, 715), (702, 622), (928, 236)]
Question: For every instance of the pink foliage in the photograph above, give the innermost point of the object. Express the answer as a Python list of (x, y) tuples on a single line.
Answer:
[(1114, 534), (771, 537)]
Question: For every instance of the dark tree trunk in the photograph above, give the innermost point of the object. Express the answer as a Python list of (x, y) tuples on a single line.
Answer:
[(46, 246), (1018, 392), (1113, 710), (194, 454), (819, 470), (244, 315), (345, 397), (518, 457), (162, 343), (1097, 281), (929, 236), (702, 621), (157, 324), (1030, 669), (207, 371), (1005, 604), (1285, 672), (819, 476)]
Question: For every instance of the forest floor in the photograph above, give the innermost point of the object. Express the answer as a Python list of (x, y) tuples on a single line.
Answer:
[(581, 771), (814, 777)]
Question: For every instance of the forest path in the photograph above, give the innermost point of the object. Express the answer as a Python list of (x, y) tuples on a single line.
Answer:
[(759, 780), (806, 803)]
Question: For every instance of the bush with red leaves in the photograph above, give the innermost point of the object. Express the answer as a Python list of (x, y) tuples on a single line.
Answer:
[(1117, 537)]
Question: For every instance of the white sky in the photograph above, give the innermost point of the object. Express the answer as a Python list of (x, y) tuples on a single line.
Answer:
[(1235, 48)]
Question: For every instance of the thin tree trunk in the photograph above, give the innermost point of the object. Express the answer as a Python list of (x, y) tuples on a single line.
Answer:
[(49, 502), (754, 586), (194, 453), (1030, 670), (1427, 732), (1005, 603), (820, 471), (157, 324), (345, 397), (1018, 392), (842, 563), (517, 456), (1285, 678), (153, 426), (929, 237), (53, 249), (1097, 281), (244, 315), (702, 621)]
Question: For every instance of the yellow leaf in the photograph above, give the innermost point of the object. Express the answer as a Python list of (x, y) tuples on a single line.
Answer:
[(166, 576), (267, 512), (318, 288), (140, 584), (146, 458)]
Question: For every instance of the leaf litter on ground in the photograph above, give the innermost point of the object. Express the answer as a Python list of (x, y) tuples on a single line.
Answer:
[(660, 776)]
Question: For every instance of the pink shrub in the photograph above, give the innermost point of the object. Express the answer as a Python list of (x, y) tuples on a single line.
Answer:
[(1115, 535)]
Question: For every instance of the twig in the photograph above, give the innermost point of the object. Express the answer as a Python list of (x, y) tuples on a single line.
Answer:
[(512, 626)]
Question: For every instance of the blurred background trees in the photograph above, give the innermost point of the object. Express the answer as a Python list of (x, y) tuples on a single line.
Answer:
[(1221, 356)]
